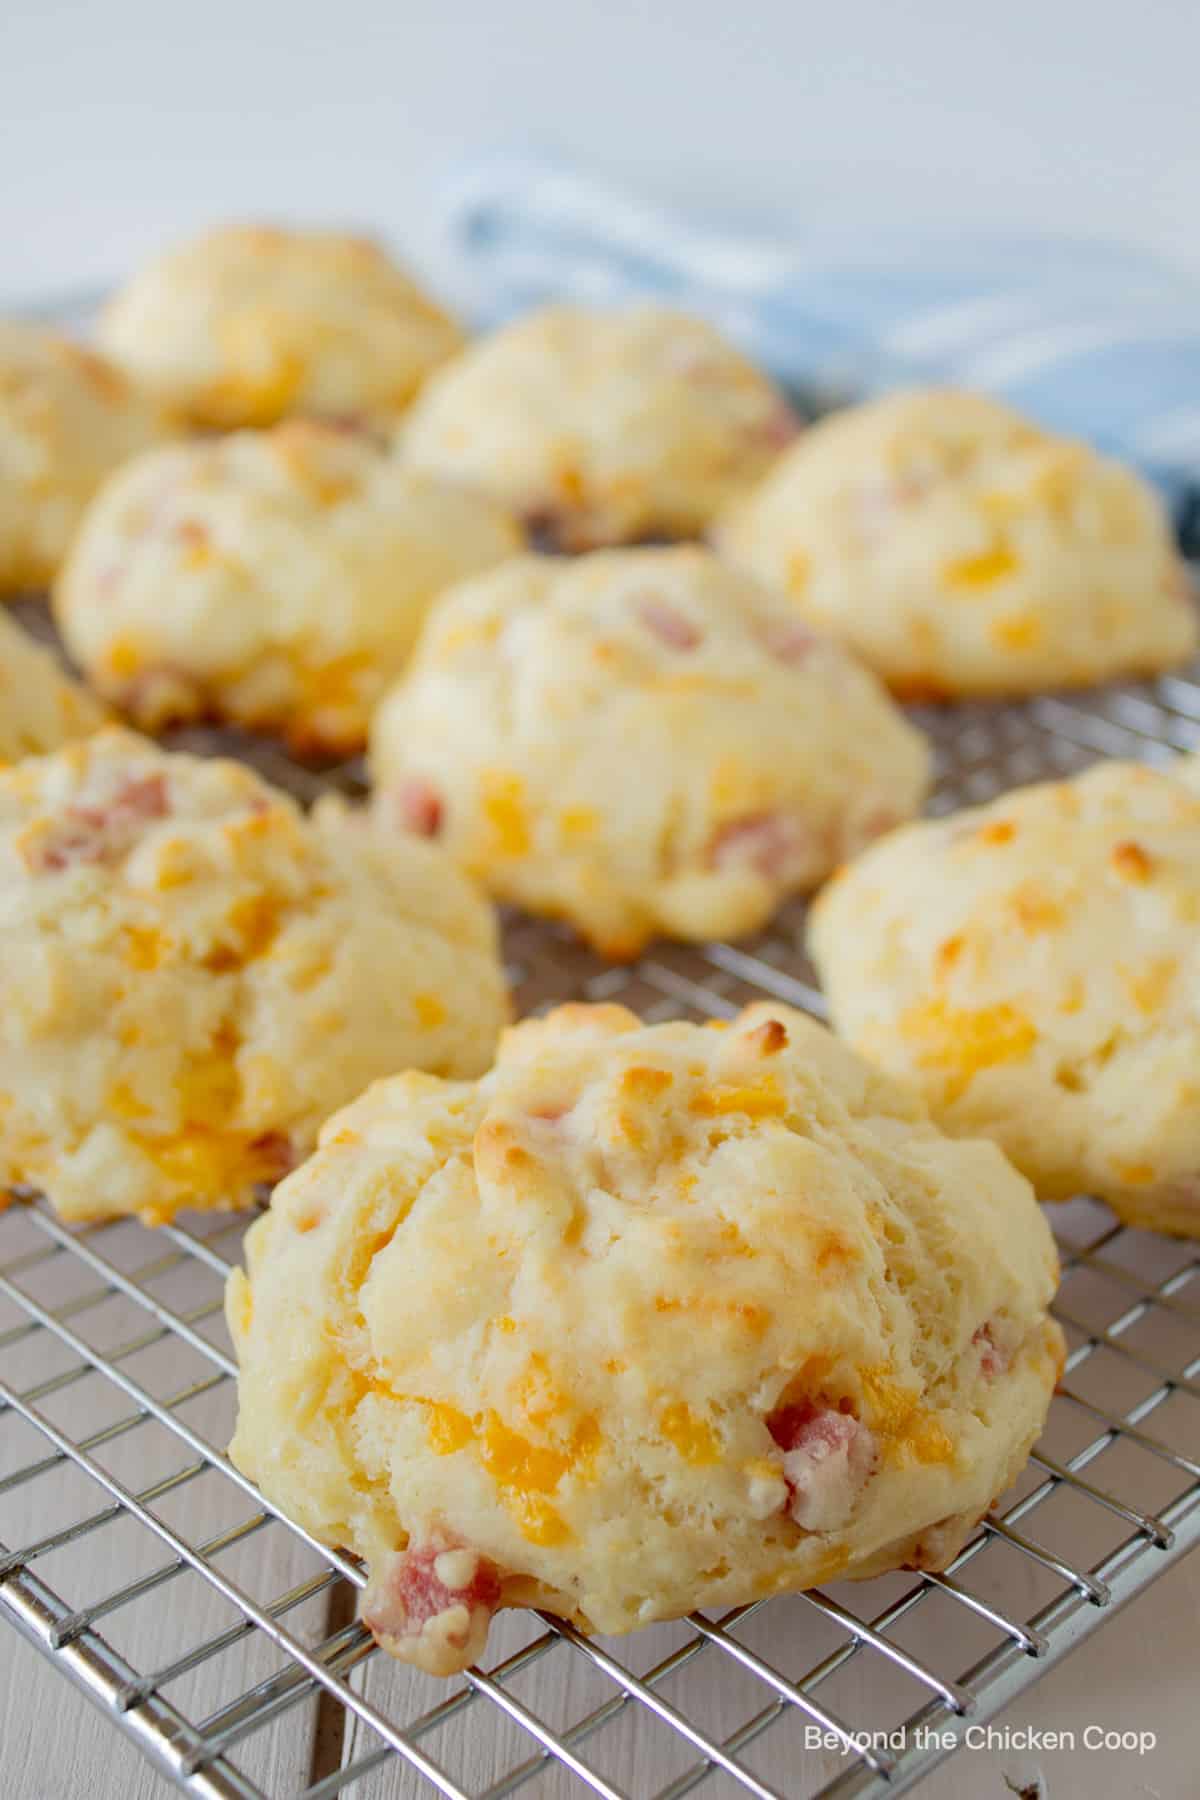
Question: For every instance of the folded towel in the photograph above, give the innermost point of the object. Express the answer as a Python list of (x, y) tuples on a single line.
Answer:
[(1096, 341)]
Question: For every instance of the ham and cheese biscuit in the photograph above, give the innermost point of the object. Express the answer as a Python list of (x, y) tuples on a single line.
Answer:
[(960, 550), (40, 707), (602, 427), (68, 417), (195, 976), (648, 1319), (248, 324), (1034, 967), (640, 742), (275, 579)]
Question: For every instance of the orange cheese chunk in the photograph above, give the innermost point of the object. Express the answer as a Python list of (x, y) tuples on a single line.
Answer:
[(504, 810), (962, 1041), (764, 1100), (693, 1437), (983, 570)]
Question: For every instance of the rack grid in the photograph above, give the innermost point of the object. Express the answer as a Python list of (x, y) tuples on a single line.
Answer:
[(235, 1651)]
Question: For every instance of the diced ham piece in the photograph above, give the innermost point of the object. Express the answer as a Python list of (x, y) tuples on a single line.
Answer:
[(103, 834), (668, 624), (828, 1458), (106, 581), (770, 843), (138, 801), (878, 501), (551, 1112), (994, 1359), (780, 428), (356, 425), (275, 1155), (431, 1605), (417, 806), (789, 640)]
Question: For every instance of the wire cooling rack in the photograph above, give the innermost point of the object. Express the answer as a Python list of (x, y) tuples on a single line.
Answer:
[(222, 1639)]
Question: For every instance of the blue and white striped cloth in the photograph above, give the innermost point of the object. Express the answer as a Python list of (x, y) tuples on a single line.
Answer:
[(1095, 341)]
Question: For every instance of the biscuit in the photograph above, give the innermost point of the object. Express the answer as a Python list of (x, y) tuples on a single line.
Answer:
[(275, 579), (648, 1319), (602, 427), (1033, 966), (40, 707), (68, 417), (250, 323), (639, 742), (960, 550), (195, 976)]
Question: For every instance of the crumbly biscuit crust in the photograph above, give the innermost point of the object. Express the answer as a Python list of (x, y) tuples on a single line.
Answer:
[(278, 579), (649, 1318), (959, 549), (603, 427), (641, 742), (1034, 967), (68, 418), (250, 324), (195, 976)]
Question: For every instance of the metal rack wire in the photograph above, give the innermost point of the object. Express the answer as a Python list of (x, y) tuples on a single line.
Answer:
[(116, 1401)]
